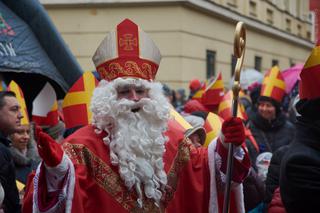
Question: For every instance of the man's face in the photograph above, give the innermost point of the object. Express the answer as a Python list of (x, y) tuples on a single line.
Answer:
[(267, 110), (132, 92), (10, 116)]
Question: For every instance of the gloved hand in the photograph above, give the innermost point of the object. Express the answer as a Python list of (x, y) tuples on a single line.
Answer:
[(233, 131), (49, 150)]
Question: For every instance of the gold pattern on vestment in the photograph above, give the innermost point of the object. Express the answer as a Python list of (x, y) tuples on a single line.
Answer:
[(111, 182), (182, 157)]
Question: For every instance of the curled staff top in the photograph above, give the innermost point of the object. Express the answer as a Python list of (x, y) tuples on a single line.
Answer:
[(239, 51)]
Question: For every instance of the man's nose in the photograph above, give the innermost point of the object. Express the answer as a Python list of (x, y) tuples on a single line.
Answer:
[(133, 95), (20, 116)]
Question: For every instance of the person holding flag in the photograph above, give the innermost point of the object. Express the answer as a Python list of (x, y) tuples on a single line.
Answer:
[(132, 158)]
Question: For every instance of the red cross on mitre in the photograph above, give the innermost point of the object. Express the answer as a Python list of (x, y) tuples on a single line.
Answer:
[(122, 55), (128, 42), (128, 38)]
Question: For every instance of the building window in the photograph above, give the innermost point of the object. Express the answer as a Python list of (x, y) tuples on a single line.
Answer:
[(211, 63), (288, 25), (258, 63), (233, 64), (253, 8), (299, 29), (308, 35), (270, 16), (274, 62)]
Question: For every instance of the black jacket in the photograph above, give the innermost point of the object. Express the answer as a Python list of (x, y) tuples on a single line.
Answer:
[(8, 178), (300, 169), (273, 176), (269, 135)]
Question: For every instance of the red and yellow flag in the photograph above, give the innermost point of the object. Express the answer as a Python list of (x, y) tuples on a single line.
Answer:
[(310, 76), (273, 85), (14, 87), (225, 107), (76, 104), (212, 125), (198, 95), (214, 92), (184, 125)]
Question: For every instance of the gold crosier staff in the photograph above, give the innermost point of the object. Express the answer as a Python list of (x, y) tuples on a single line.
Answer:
[(239, 50)]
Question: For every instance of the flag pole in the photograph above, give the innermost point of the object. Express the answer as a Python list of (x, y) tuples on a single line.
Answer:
[(239, 50)]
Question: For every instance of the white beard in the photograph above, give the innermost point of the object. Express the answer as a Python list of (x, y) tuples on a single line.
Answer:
[(137, 143)]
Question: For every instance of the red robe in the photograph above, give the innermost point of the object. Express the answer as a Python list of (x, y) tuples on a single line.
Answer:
[(98, 185)]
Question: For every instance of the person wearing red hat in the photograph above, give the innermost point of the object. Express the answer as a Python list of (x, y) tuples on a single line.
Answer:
[(132, 159), (270, 128), (196, 88), (300, 167), (194, 85)]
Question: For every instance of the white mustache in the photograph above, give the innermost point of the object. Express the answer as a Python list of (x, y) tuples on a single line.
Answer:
[(126, 105)]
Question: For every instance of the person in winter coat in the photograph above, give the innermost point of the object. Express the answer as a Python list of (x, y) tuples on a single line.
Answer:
[(269, 126), (24, 152), (273, 176), (10, 118), (300, 167)]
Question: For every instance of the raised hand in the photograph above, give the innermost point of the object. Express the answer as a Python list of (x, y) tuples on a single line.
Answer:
[(233, 131), (49, 150)]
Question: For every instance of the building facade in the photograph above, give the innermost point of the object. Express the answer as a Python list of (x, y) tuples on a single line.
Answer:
[(195, 37)]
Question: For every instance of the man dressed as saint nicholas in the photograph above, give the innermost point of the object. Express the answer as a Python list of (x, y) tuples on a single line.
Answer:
[(133, 158)]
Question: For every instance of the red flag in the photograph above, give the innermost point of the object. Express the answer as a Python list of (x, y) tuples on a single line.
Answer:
[(225, 107), (212, 126), (214, 92)]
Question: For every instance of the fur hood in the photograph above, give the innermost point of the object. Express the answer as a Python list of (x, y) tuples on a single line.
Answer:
[(21, 160)]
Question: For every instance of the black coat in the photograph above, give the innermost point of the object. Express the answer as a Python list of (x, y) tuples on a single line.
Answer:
[(273, 176), (300, 169), (269, 135), (8, 178)]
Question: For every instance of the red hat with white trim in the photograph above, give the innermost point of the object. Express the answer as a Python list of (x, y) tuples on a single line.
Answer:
[(127, 52)]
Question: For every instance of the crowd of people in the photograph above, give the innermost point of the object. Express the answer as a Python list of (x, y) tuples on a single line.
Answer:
[(144, 147)]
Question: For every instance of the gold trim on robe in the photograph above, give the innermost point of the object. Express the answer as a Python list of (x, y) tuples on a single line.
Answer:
[(111, 182)]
